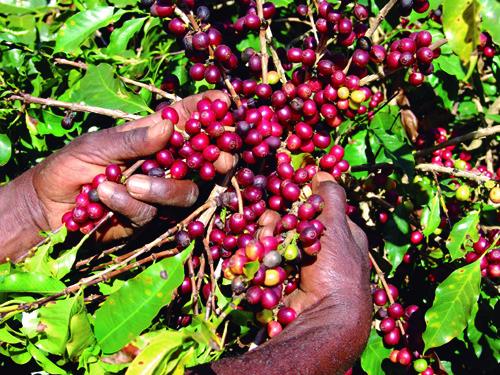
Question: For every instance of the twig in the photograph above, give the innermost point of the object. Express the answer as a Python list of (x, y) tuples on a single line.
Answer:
[(442, 202), (264, 57), (237, 189), (380, 17), (428, 167), (114, 113), (274, 55), (152, 88), (313, 24), (206, 242), (380, 275), (481, 133), (87, 261), (194, 289)]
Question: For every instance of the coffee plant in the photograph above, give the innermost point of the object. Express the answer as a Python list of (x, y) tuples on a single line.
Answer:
[(395, 99)]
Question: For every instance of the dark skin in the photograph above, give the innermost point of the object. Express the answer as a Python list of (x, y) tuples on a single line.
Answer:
[(333, 300)]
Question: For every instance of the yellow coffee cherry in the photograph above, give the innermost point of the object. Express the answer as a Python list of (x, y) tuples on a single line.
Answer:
[(271, 278), (343, 93), (273, 77), (358, 96), (353, 105)]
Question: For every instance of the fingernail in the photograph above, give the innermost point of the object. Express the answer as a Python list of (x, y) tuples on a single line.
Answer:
[(138, 184), (321, 177), (157, 130), (105, 190)]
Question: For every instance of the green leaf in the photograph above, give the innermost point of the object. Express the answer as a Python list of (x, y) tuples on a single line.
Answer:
[(473, 334), (461, 26), (7, 337), (451, 65), (81, 26), (22, 6), (282, 3), (5, 149), (40, 262), (251, 268), (452, 306), (458, 235), (396, 150), (43, 361), (374, 354), (355, 152), (490, 9), (55, 319), (126, 313), (120, 37), (156, 353), (80, 331), (101, 88), (298, 159), (251, 40), (431, 216), (30, 283)]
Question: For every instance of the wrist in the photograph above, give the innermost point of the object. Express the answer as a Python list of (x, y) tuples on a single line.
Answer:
[(21, 217)]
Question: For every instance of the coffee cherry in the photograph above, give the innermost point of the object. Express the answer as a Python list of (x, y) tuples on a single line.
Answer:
[(286, 315), (269, 299), (272, 259), (395, 310), (179, 169), (463, 193), (380, 297), (404, 357), (420, 365), (387, 325), (416, 237), (169, 113), (273, 328), (392, 338)]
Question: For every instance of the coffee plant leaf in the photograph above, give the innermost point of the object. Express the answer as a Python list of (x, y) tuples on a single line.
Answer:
[(156, 353), (375, 353), (453, 304), (42, 359), (5, 149), (451, 65), (79, 27), (100, 87), (461, 231), (23, 6), (54, 320), (461, 26), (30, 282), (81, 335), (490, 9), (355, 152), (120, 37), (127, 312), (431, 216)]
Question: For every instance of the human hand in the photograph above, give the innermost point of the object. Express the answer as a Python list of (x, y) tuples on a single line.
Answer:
[(44, 193), (333, 301)]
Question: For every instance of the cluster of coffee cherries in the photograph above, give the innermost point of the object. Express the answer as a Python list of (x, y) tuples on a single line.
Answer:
[(407, 6), (486, 45), (88, 210), (490, 263), (411, 52), (389, 317)]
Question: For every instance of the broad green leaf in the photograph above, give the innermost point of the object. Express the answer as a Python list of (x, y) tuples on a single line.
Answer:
[(461, 26), (459, 233), (55, 320), (80, 331), (40, 262), (452, 306), (355, 152), (120, 37), (282, 3), (490, 9), (252, 41), (298, 159), (81, 26), (155, 353), (22, 6), (100, 87), (126, 313), (5, 149), (250, 269), (375, 352), (7, 337), (398, 151), (431, 216), (41, 358), (473, 334), (30, 283), (451, 65), (396, 240)]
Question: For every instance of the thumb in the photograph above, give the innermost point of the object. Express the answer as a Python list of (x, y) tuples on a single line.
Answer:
[(334, 196), (118, 144)]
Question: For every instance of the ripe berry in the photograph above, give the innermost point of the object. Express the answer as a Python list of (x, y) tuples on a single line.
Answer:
[(416, 237), (286, 315)]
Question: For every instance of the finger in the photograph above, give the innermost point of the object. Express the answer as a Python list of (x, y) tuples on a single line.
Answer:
[(116, 198), (163, 191), (225, 162), (268, 221), (335, 200), (118, 145)]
